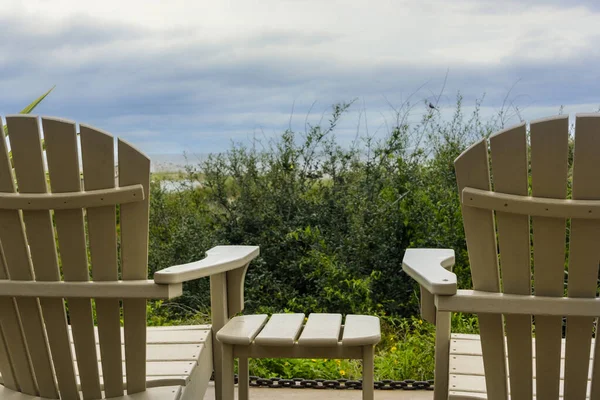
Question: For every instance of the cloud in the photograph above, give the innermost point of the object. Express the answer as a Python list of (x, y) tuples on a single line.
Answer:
[(196, 75)]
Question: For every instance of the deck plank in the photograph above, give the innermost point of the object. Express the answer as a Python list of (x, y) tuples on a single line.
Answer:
[(466, 366), (461, 344), (170, 335)]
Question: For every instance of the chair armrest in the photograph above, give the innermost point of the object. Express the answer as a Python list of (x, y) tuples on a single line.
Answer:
[(429, 267), (218, 259)]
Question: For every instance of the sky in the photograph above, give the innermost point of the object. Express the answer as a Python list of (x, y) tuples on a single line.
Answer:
[(194, 76)]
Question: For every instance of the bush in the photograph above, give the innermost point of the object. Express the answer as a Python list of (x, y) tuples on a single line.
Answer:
[(332, 222)]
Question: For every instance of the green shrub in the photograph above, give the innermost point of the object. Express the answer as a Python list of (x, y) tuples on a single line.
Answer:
[(332, 222)]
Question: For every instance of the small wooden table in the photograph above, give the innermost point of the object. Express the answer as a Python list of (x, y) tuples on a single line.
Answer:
[(294, 336)]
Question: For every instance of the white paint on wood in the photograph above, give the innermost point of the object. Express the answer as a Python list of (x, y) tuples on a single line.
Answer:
[(361, 330), (476, 301), (142, 289), (281, 330), (472, 170), (321, 330), (584, 253), (429, 267), (531, 206), (71, 200), (549, 168), (242, 330), (218, 259)]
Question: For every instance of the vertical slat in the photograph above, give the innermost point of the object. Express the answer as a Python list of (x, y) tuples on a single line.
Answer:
[(510, 172), (472, 170), (63, 166), (595, 388), (97, 150), (584, 254), (16, 363), (31, 178), (549, 166), (27, 158), (6, 365), (8, 379), (134, 168)]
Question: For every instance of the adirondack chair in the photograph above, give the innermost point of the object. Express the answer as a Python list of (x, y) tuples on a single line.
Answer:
[(45, 264), (506, 359)]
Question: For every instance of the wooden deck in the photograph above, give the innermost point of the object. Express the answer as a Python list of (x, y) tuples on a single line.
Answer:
[(466, 366), (173, 354), (329, 394)]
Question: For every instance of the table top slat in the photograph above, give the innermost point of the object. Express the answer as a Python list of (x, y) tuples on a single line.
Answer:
[(321, 330), (361, 330), (281, 330), (242, 330)]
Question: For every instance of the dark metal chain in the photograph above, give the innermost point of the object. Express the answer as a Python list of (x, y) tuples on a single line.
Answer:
[(340, 384)]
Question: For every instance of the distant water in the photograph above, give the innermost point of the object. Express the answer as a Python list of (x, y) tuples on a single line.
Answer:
[(174, 186), (175, 162), (178, 162)]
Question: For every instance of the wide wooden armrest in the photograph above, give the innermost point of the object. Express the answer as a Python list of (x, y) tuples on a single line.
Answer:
[(131, 289), (218, 259), (429, 268), (474, 301)]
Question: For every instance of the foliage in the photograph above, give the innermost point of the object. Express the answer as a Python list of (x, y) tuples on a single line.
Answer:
[(36, 102), (28, 109), (181, 231), (332, 222)]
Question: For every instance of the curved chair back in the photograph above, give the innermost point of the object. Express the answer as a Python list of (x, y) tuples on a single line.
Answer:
[(63, 219), (533, 208)]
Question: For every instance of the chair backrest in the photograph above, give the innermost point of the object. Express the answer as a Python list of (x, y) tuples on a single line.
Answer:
[(498, 231), (51, 230)]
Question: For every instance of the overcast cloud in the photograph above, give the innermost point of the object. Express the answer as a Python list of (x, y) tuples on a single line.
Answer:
[(174, 76)]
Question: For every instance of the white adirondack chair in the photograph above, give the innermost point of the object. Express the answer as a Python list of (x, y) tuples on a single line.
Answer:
[(45, 264), (498, 232)]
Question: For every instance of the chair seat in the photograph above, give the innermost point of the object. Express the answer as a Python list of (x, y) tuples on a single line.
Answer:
[(467, 378), (176, 356), (284, 330)]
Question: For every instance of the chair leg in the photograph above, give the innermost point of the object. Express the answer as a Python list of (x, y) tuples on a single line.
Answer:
[(227, 382), (219, 311), (217, 365), (243, 378), (368, 378), (442, 356)]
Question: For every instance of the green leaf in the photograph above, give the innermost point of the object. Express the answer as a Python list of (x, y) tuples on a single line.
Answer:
[(31, 107), (37, 101)]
